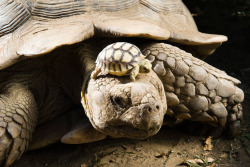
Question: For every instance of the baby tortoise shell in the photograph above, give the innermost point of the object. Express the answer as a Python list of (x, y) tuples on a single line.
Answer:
[(121, 58)]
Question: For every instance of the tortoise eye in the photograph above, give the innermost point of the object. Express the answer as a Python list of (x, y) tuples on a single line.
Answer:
[(119, 101), (144, 69)]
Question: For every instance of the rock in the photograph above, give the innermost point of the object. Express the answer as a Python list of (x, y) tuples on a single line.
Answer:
[(211, 82), (172, 99), (201, 89), (188, 89), (218, 110), (180, 81), (225, 88), (199, 103), (170, 62), (198, 73)]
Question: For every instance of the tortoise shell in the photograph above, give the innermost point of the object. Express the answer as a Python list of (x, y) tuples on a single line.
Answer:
[(35, 27), (118, 58)]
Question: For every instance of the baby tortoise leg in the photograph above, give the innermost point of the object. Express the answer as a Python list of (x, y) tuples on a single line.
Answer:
[(134, 72), (95, 73), (195, 90), (18, 116)]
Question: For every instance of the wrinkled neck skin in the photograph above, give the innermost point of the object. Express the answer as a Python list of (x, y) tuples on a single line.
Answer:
[(87, 58)]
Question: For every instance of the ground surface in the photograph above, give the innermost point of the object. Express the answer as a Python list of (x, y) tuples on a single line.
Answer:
[(171, 146)]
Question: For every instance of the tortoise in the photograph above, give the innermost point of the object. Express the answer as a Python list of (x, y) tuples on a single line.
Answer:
[(48, 51), (121, 58)]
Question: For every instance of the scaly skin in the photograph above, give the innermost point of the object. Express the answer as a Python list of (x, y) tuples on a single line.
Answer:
[(48, 86), (18, 116), (121, 108), (195, 90)]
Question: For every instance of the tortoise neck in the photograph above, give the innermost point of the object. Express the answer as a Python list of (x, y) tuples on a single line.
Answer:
[(88, 54)]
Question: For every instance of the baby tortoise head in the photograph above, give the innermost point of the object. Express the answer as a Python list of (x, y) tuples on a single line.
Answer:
[(121, 58)]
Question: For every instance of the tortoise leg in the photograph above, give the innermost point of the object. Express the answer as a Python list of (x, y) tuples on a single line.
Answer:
[(195, 90), (95, 73), (134, 72), (18, 116)]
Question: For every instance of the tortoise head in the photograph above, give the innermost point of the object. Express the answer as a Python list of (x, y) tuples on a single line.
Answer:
[(145, 66), (121, 108)]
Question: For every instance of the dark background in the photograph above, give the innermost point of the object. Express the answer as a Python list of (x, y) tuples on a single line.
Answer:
[(230, 18)]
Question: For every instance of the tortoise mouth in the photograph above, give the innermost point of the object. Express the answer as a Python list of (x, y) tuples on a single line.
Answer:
[(123, 131)]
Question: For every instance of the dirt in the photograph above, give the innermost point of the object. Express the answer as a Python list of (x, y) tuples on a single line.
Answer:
[(172, 146)]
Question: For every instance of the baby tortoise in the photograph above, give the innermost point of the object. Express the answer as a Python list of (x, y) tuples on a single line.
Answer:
[(121, 58)]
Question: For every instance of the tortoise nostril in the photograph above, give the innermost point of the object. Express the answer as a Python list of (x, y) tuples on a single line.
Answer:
[(147, 108), (150, 108)]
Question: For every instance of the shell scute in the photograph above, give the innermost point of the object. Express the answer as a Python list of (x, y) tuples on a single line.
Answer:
[(134, 51), (117, 45), (126, 46), (119, 58), (127, 58), (117, 55), (108, 55)]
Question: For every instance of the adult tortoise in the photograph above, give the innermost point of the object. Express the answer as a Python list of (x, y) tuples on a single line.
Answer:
[(48, 51)]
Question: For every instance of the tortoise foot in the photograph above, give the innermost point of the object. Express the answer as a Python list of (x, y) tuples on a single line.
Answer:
[(17, 121)]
